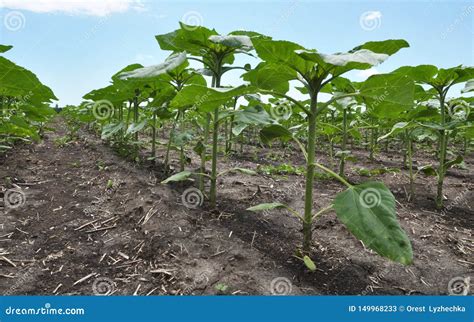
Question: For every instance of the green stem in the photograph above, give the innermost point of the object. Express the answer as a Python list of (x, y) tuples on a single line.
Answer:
[(308, 200), (153, 135), (135, 114), (168, 147), (344, 143), (372, 144), (410, 164), (442, 153), (204, 151), (213, 191), (181, 151), (215, 137)]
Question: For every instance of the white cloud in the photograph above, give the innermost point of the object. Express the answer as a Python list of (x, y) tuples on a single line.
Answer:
[(366, 73), (76, 7)]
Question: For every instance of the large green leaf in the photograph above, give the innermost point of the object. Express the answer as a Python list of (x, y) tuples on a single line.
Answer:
[(283, 53), (136, 127), (469, 87), (170, 64), (161, 96), (388, 95), (271, 76), (206, 43), (368, 212), (429, 74), (111, 129), (37, 113), (252, 115), (361, 57), (421, 73), (234, 41), (274, 131), (5, 48), (192, 39), (117, 77), (11, 129), (388, 47), (392, 88), (454, 75), (21, 83)]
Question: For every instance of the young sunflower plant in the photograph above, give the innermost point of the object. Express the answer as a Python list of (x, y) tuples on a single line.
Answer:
[(368, 209)]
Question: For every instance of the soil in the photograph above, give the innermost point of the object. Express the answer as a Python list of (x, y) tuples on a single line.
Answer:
[(93, 222)]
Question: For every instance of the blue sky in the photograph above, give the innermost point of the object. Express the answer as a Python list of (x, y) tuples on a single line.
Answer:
[(74, 46)]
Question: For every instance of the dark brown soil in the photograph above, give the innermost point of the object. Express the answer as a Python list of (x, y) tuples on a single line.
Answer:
[(91, 216)]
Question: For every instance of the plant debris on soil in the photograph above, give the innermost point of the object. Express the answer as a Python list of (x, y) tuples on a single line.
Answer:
[(92, 222)]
